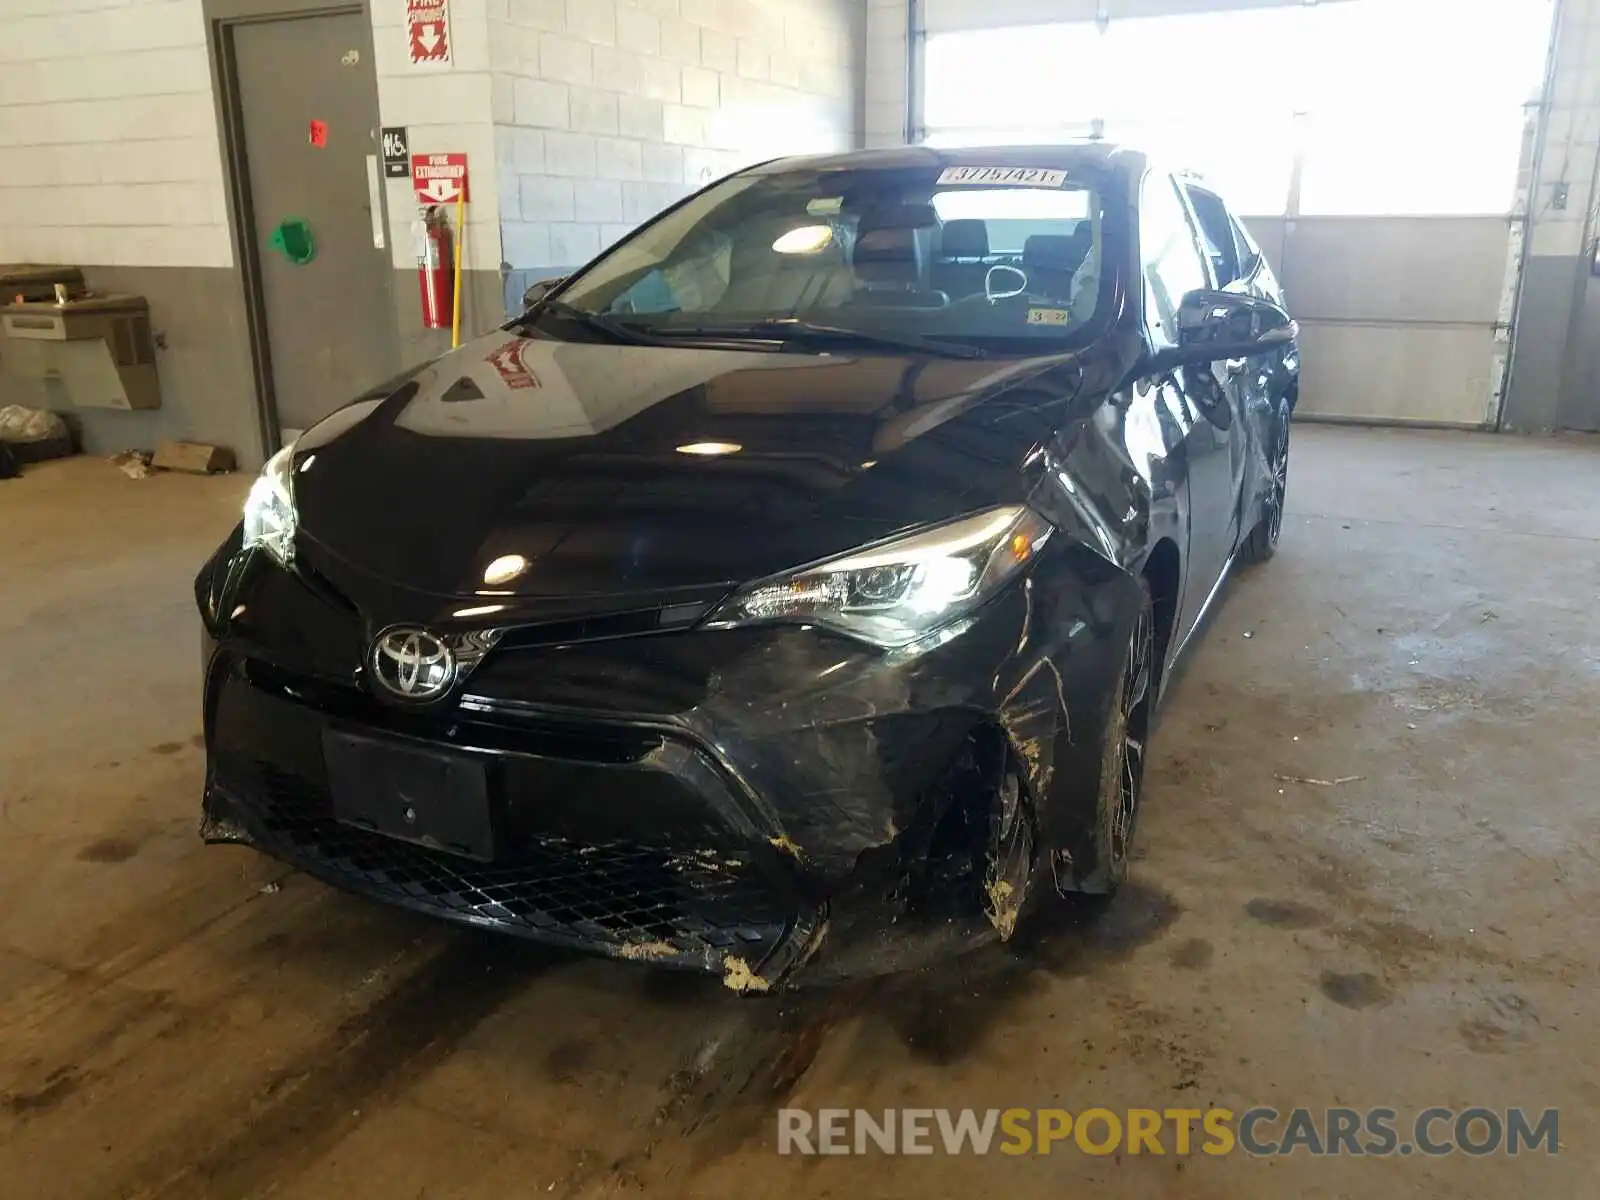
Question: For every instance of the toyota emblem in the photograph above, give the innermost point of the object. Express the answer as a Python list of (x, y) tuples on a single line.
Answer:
[(413, 664)]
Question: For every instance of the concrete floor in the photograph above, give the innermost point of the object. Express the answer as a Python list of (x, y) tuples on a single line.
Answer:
[(177, 1021)]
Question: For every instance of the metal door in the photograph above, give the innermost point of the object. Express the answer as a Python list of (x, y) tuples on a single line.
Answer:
[(307, 105)]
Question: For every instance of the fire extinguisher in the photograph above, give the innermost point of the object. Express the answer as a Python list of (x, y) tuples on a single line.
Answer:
[(435, 270)]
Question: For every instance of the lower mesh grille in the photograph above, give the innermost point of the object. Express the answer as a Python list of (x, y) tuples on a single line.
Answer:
[(631, 901)]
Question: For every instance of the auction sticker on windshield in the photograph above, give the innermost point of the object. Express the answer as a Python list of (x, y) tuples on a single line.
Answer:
[(1016, 176), (1049, 316)]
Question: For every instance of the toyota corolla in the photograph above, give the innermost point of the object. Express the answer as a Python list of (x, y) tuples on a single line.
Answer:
[(791, 587)]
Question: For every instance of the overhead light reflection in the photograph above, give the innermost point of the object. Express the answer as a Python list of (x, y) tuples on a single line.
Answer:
[(504, 569), (710, 449), (482, 610), (807, 239)]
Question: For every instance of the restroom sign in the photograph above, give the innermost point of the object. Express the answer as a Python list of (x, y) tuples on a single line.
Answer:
[(439, 178), (428, 31)]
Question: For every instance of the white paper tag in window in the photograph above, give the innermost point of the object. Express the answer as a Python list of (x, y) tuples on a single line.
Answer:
[(1003, 176), (1049, 316)]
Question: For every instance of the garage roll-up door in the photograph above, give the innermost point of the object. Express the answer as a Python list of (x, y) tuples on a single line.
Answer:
[(1374, 146)]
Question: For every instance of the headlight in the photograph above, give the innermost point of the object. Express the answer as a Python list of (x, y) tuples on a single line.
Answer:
[(897, 592), (269, 516)]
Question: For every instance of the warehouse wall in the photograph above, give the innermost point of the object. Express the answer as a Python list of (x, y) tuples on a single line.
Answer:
[(1581, 409), (606, 111), (109, 158), (1556, 359), (1452, 346), (443, 110), (580, 118), (885, 115)]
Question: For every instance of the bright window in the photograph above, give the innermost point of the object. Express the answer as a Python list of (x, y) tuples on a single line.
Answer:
[(1397, 106), (1436, 123)]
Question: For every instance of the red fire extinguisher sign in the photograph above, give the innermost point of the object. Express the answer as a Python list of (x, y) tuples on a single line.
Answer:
[(439, 178)]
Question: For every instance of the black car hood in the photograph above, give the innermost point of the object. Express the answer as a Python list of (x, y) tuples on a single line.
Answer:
[(568, 455)]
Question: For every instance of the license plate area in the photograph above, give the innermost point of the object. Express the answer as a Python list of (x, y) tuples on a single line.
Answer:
[(428, 797)]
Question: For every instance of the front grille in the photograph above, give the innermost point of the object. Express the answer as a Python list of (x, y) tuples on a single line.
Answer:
[(605, 626), (691, 909)]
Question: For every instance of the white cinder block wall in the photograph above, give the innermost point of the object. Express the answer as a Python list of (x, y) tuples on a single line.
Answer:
[(606, 111), (445, 110), (580, 118), (108, 139), (1571, 144), (886, 72)]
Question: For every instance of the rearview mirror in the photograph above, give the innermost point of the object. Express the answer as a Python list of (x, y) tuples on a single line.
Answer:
[(538, 291), (1218, 325)]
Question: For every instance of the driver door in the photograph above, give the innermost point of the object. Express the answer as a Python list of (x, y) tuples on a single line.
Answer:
[(1252, 385), (1172, 267)]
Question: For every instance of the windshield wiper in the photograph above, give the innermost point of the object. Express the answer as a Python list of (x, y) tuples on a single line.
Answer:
[(616, 330), (792, 329)]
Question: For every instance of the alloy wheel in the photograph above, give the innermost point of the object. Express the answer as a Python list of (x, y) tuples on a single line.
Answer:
[(1136, 701), (1280, 476)]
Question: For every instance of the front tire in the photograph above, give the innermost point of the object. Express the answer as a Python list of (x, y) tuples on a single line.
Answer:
[(1262, 543), (1123, 751)]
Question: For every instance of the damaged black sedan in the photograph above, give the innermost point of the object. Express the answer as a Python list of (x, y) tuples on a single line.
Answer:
[(791, 587)]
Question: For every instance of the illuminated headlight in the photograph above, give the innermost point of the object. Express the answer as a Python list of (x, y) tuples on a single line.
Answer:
[(897, 592), (269, 516)]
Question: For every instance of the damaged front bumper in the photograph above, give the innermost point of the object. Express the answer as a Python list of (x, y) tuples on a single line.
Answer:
[(744, 802)]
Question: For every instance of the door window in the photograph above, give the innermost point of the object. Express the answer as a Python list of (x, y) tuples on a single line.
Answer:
[(1169, 255), (1249, 252), (1216, 232)]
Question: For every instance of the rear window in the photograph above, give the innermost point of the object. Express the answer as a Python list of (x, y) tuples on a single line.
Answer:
[(1013, 215)]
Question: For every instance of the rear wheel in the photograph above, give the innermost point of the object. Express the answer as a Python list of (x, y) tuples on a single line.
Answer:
[(1262, 543), (1122, 755)]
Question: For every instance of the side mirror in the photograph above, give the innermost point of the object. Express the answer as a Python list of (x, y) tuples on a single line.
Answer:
[(1218, 325), (538, 291)]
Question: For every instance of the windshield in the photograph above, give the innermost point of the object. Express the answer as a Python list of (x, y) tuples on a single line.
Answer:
[(1006, 259)]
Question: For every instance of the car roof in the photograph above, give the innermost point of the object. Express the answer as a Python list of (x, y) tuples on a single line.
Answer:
[(1086, 154)]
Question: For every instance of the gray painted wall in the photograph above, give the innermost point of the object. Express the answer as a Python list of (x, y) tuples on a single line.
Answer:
[(1552, 383), (1581, 402), (207, 391), (1552, 290)]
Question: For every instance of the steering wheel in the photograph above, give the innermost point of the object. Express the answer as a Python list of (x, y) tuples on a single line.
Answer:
[(1016, 273)]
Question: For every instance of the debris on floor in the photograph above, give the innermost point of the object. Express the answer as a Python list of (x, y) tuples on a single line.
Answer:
[(1339, 782), (135, 464), (33, 434), (197, 458)]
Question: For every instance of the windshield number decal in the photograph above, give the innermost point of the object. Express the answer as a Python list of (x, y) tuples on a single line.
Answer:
[(1049, 316), (1013, 176)]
